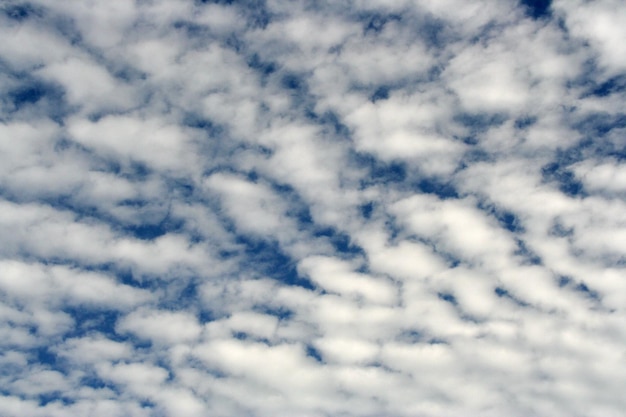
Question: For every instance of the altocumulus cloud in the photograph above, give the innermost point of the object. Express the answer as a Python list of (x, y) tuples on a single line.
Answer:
[(293, 208)]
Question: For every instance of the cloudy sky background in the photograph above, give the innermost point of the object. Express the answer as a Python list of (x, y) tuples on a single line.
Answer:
[(306, 208)]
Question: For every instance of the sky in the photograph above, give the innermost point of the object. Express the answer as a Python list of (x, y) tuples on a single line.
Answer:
[(270, 208)]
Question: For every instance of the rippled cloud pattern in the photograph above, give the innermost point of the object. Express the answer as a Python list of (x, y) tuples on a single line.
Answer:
[(270, 208)]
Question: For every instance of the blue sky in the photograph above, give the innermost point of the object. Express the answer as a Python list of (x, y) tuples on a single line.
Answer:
[(271, 209)]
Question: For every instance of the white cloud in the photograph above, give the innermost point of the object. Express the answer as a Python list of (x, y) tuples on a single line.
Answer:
[(129, 139), (254, 207), (161, 326), (455, 227), (338, 276), (94, 349), (601, 24), (88, 84), (608, 176)]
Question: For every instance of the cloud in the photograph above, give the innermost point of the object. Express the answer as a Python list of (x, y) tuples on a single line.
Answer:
[(161, 326), (600, 26), (312, 209)]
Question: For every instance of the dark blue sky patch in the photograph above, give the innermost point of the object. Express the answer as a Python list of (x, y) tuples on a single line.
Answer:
[(252, 176), (473, 155), (393, 228), (206, 315), (504, 293), (65, 26), (180, 294), (596, 147), (298, 208), (188, 293), (89, 320), (137, 204), (140, 344), (463, 315), (507, 219), (537, 9), (366, 210), (564, 281), (151, 221), (91, 380), (191, 29), (127, 73), (21, 11), (64, 144), (564, 157), (382, 172), (147, 231), (590, 70), (374, 23), (302, 214), (451, 260), (558, 229), (54, 397), (410, 336), (133, 170), (250, 337), (181, 188), (313, 353), (470, 139), (435, 32), (137, 170), (448, 298), (597, 125), (45, 356), (43, 98), (147, 404), (587, 292), (529, 257), (396, 231), (618, 153), (476, 124), (479, 122), (565, 179), (27, 94), (264, 68), (233, 42), (381, 93), (295, 86), (525, 121), (331, 121), (255, 12), (579, 287), (293, 82), (438, 187), (414, 336), (267, 259), (340, 241), (611, 86), (241, 335), (281, 312)]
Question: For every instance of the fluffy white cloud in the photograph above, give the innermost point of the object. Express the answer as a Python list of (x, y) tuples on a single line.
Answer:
[(161, 326)]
